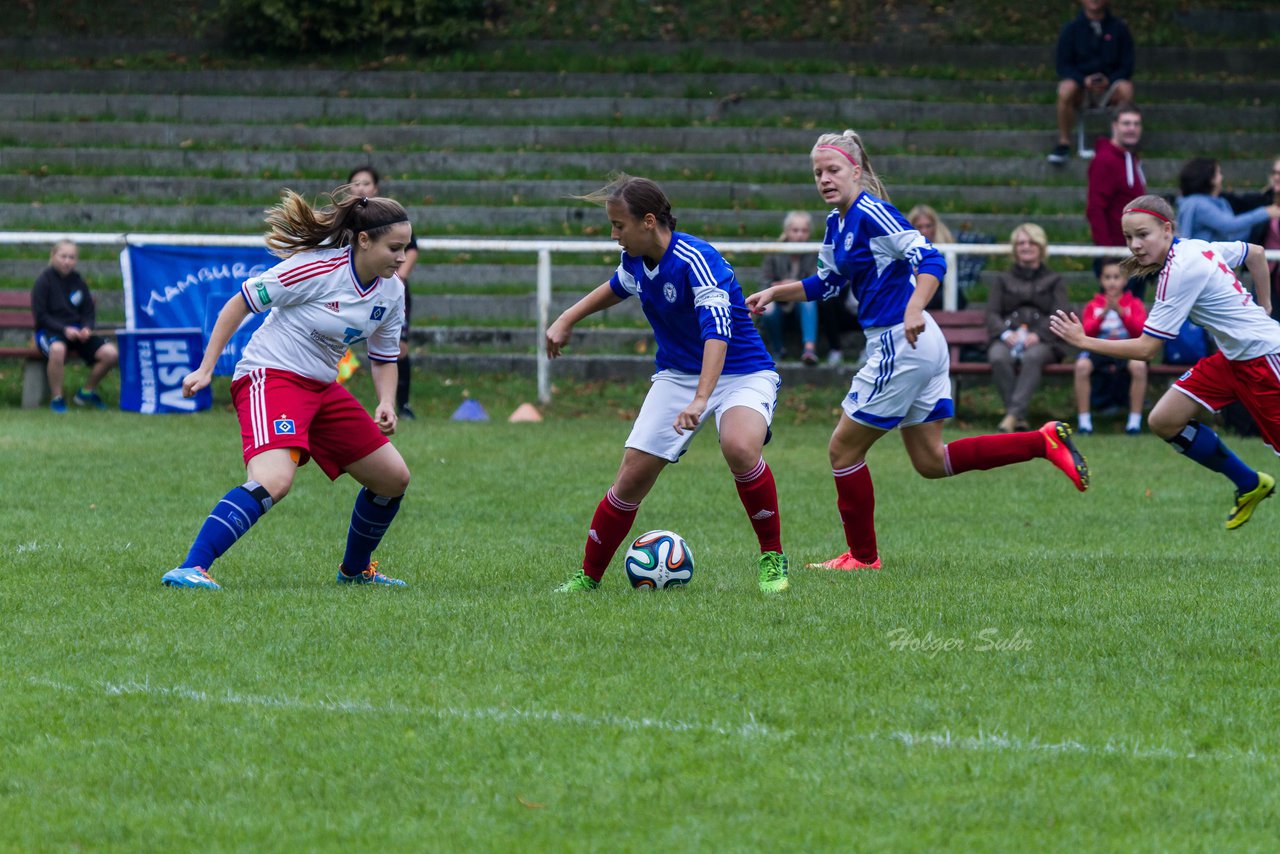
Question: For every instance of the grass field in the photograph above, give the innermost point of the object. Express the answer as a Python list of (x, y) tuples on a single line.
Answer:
[(1033, 667)]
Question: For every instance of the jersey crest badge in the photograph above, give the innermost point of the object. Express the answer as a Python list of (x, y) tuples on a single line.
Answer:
[(848, 241), (669, 291), (378, 312), (284, 427)]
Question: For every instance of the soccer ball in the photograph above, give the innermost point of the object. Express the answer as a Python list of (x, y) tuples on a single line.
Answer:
[(659, 559)]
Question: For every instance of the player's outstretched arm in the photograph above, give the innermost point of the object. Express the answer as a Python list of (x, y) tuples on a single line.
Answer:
[(229, 319), (558, 333), (1067, 326), (785, 292)]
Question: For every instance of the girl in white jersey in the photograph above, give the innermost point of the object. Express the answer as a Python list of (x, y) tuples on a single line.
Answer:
[(905, 382), (1196, 281), (336, 287), (710, 360)]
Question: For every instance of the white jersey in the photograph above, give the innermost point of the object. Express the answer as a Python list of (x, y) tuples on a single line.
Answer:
[(319, 308), (1197, 282)]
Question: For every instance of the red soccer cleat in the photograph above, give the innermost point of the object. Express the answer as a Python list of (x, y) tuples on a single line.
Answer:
[(846, 563), (1061, 451)]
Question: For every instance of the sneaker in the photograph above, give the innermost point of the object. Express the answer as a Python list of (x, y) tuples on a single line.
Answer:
[(773, 572), (810, 355), (846, 563), (1060, 154), (189, 576), (89, 398), (369, 576), (1084, 431), (58, 404), (406, 412), (580, 581), (1133, 431), (1061, 451), (834, 357), (1247, 501)]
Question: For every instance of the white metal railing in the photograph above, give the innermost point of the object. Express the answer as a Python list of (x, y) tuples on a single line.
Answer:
[(544, 249)]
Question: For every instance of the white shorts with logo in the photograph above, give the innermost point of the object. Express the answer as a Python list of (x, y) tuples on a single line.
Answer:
[(672, 392), (901, 386)]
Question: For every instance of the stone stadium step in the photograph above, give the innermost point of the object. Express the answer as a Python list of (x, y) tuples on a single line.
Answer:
[(170, 188), (1253, 66), (618, 140), (448, 220), (434, 112), (593, 166)]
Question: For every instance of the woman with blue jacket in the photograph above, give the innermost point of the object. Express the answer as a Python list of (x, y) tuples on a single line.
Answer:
[(1203, 214)]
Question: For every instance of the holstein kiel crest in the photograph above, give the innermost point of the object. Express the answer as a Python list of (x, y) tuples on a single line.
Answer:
[(669, 291)]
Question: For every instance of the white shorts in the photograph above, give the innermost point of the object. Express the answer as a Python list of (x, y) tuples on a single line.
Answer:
[(901, 386), (672, 392)]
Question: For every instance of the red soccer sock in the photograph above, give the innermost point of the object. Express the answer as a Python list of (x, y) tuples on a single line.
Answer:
[(980, 453), (759, 495), (609, 527), (856, 500)]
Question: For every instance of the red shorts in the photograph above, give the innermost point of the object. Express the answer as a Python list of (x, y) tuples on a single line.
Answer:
[(279, 409), (1215, 381)]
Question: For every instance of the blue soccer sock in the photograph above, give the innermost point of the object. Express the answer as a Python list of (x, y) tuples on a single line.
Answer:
[(370, 519), (230, 519), (1201, 444)]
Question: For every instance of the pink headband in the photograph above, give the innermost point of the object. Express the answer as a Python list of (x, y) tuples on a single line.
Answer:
[(847, 155), (1158, 216)]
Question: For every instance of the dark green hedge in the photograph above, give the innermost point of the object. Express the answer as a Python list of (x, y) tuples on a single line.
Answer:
[(297, 27)]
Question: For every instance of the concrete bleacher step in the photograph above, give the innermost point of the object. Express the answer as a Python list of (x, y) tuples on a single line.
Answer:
[(549, 221), (546, 117), (1236, 142)]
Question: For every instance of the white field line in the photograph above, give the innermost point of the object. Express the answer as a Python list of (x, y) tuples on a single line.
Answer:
[(997, 742), (748, 730), (983, 742)]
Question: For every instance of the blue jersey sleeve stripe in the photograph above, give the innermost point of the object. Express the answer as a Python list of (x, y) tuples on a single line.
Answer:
[(880, 215), (697, 264)]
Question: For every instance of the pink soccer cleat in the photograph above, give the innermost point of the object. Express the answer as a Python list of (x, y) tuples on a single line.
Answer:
[(846, 563), (1061, 451)]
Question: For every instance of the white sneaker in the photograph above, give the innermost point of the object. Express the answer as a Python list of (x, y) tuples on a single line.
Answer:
[(835, 357)]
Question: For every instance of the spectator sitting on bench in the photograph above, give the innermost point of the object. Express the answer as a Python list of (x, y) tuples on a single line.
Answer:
[(64, 320), (796, 227), (968, 267), (1021, 302), (1113, 314)]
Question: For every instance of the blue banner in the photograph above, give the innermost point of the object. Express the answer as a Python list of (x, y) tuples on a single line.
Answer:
[(172, 287), (153, 363)]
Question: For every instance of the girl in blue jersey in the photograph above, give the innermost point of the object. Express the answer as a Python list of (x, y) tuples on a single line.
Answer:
[(710, 360), (893, 272)]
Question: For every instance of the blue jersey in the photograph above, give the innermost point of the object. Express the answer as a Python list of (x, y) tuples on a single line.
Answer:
[(874, 249), (690, 297)]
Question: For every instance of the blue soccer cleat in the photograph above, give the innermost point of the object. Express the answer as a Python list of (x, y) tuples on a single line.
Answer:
[(189, 576), (369, 576)]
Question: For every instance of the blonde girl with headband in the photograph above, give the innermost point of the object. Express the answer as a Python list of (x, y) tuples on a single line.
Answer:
[(337, 286), (1196, 281), (905, 383)]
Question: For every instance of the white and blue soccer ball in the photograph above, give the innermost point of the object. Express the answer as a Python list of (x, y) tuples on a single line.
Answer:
[(659, 559)]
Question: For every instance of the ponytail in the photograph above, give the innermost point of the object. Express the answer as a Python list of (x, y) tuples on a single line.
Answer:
[(640, 195), (296, 226)]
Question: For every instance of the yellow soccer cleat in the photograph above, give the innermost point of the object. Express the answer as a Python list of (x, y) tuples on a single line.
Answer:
[(1247, 501)]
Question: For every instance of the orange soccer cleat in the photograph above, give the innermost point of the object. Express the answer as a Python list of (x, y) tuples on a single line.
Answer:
[(1061, 451), (846, 563)]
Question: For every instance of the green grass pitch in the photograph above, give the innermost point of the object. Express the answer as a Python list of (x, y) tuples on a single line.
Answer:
[(1034, 668)]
